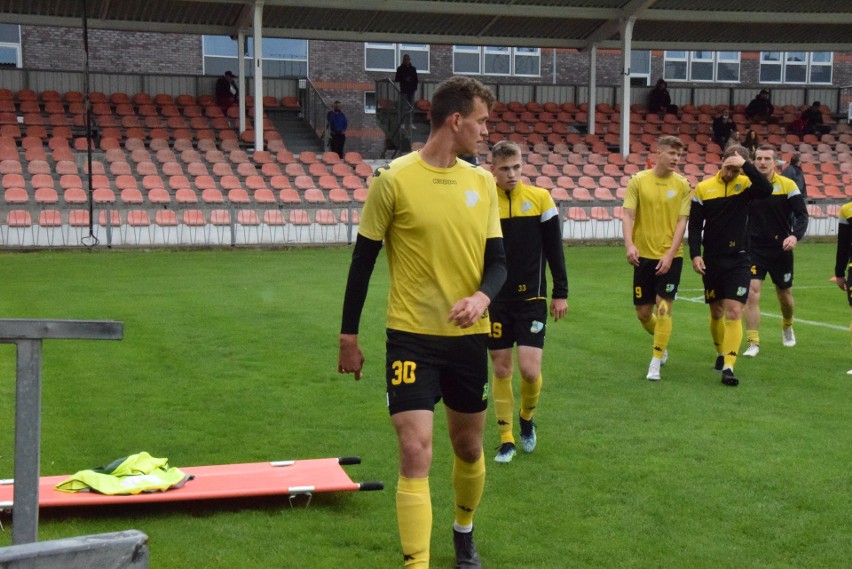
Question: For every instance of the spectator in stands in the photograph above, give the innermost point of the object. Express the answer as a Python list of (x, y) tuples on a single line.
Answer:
[(751, 141), (812, 118), (794, 172), (337, 126), (406, 76), (659, 100), (736, 139), (227, 92), (723, 126), (760, 109)]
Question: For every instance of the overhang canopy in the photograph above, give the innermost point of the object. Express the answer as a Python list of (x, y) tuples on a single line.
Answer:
[(736, 25)]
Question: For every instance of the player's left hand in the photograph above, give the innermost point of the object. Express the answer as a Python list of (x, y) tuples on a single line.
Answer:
[(558, 308), (467, 311), (790, 243)]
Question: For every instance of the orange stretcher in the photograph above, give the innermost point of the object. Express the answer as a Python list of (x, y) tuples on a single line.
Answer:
[(288, 477)]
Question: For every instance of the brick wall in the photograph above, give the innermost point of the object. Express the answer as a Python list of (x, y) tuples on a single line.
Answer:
[(110, 50)]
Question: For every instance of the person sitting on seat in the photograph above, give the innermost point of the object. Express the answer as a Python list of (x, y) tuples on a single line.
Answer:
[(723, 126), (659, 100), (760, 109), (812, 119)]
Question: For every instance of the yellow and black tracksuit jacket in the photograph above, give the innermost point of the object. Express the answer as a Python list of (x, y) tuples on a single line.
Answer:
[(718, 216), (782, 214), (531, 235)]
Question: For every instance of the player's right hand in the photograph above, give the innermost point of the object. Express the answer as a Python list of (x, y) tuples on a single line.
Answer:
[(349, 358), (698, 265)]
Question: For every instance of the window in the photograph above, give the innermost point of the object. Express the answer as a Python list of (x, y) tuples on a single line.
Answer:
[(492, 60), (388, 56), (640, 67), (702, 66), (370, 102), (796, 67), (10, 45), (281, 57), (466, 60)]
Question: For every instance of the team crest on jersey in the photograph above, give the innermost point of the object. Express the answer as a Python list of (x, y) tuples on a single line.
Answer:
[(738, 187), (671, 193), (776, 188), (525, 206), (788, 277), (471, 198), (741, 290)]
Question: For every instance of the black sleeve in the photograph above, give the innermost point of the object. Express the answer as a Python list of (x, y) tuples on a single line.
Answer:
[(842, 260), (696, 226), (360, 270), (551, 239), (800, 216), (494, 273), (760, 187)]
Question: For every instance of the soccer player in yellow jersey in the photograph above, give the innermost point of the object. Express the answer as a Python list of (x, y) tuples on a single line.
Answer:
[(843, 263), (438, 217), (532, 238), (656, 207)]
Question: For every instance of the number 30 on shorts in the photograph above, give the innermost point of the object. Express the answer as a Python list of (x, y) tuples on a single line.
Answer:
[(403, 372)]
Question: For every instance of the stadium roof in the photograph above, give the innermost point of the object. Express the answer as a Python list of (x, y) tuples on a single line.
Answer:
[(736, 25)]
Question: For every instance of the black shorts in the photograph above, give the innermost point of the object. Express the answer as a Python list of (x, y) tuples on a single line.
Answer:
[(777, 262), (522, 322), (421, 369), (647, 285), (849, 285), (727, 276)]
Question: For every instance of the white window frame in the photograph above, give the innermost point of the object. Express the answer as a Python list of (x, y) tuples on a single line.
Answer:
[(14, 46), (369, 109), (645, 74), (513, 54), (400, 49), (812, 60), (692, 58)]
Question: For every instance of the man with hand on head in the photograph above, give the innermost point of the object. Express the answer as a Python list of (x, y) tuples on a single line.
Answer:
[(718, 220)]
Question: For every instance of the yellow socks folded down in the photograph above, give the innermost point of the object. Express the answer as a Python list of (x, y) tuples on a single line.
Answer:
[(662, 334), (717, 333), (753, 337)]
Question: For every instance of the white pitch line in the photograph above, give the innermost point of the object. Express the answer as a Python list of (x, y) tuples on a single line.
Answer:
[(700, 299)]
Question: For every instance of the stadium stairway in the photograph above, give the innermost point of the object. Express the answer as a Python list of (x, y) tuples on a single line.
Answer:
[(298, 133)]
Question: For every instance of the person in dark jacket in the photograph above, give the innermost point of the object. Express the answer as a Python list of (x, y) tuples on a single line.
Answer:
[(723, 126), (794, 172), (775, 226), (227, 91), (659, 100), (406, 76), (760, 109), (337, 126), (718, 222)]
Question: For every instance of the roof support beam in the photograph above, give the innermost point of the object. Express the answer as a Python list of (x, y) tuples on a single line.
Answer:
[(605, 31)]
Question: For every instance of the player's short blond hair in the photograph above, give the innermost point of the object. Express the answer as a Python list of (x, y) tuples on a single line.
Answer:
[(670, 141), (505, 149)]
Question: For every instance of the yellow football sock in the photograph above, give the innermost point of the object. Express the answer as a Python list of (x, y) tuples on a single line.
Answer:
[(717, 332), (468, 482), (732, 341), (753, 337), (530, 390), (786, 323), (504, 407), (414, 516), (650, 325), (663, 331)]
